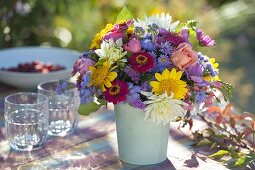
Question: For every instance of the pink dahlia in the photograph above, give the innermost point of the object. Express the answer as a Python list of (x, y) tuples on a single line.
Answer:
[(117, 92), (141, 62)]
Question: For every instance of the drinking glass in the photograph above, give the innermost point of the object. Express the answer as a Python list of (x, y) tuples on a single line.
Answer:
[(63, 116), (26, 120)]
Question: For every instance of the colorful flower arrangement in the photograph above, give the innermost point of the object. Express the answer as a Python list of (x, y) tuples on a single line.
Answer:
[(151, 64)]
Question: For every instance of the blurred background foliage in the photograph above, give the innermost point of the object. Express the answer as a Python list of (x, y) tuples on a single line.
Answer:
[(73, 23)]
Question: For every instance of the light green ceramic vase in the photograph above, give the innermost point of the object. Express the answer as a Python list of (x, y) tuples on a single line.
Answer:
[(140, 141)]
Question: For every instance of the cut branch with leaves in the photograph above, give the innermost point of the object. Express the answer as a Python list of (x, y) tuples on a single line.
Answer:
[(230, 133)]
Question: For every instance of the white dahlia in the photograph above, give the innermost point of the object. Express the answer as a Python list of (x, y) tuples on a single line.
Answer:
[(111, 51), (163, 108)]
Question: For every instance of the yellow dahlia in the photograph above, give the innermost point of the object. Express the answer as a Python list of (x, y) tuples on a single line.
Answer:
[(169, 82), (98, 37), (101, 76)]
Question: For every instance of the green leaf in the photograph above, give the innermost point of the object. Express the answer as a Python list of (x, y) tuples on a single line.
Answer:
[(86, 109), (124, 14), (234, 154), (214, 145), (241, 161), (219, 154), (145, 77), (203, 142)]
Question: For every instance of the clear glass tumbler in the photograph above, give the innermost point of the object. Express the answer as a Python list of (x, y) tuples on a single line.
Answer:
[(26, 120), (63, 109)]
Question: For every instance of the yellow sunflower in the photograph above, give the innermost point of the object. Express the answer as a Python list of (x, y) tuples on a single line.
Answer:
[(102, 76), (170, 82), (98, 37)]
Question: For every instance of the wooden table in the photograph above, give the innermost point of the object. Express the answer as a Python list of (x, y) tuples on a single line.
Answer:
[(94, 146)]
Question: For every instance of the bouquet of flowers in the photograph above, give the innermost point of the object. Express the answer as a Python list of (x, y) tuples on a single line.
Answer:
[(151, 64)]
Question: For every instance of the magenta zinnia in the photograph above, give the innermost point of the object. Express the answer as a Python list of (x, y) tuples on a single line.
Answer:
[(141, 62), (117, 92)]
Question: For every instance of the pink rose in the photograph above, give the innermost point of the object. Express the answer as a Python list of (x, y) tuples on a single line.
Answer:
[(82, 65), (133, 46), (183, 56), (114, 35)]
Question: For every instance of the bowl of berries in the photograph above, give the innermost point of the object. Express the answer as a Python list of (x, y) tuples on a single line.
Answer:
[(26, 67)]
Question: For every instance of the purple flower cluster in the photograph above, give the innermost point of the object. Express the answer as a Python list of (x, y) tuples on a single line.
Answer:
[(133, 97), (204, 61), (132, 74), (148, 44)]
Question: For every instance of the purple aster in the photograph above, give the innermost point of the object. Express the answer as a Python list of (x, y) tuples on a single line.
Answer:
[(148, 45), (163, 62), (204, 40), (134, 75), (166, 48), (200, 97)]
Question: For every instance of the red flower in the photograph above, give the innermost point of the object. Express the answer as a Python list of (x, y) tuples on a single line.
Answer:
[(141, 62), (117, 92)]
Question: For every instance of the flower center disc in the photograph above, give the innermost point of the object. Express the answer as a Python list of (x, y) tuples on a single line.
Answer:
[(115, 90), (168, 86), (140, 59)]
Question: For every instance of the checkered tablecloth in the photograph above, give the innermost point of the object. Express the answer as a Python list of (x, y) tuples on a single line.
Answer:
[(94, 146)]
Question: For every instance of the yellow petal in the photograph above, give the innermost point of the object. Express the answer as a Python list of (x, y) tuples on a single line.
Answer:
[(158, 77), (107, 64), (154, 84), (107, 83), (212, 60), (165, 74), (103, 88), (92, 69), (178, 75), (111, 76), (215, 65), (173, 73)]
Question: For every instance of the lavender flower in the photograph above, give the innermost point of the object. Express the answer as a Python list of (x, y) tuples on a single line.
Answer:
[(200, 97), (132, 74), (135, 101), (204, 40)]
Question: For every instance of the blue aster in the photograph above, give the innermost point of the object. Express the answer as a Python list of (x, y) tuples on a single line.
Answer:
[(166, 48)]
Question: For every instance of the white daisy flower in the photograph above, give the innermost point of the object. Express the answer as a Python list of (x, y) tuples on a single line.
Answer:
[(163, 108), (161, 20), (112, 51)]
